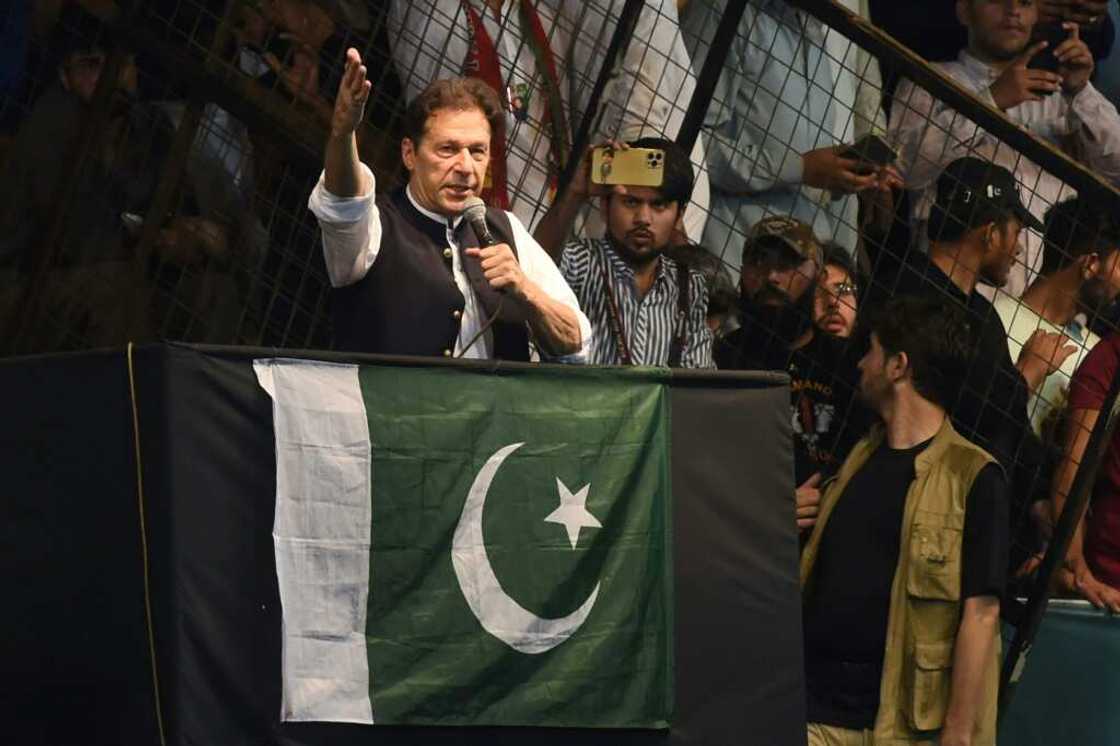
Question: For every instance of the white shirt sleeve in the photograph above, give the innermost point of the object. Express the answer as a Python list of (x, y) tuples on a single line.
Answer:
[(930, 134), (351, 231), (539, 267), (1097, 126)]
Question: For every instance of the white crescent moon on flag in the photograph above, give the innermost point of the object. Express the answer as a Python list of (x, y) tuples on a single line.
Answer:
[(499, 614)]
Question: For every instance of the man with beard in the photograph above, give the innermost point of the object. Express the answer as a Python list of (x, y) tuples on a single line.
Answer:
[(413, 279), (974, 230), (1061, 107), (779, 274), (834, 309), (902, 576), (1080, 279), (645, 308)]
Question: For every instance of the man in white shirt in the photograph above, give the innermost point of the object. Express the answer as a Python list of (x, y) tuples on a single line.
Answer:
[(770, 127), (543, 57), (411, 276), (1061, 107), (1080, 278)]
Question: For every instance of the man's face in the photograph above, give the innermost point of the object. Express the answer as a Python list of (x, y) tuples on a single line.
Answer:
[(640, 222), (81, 71), (1002, 247), (775, 275), (448, 165), (1102, 288), (834, 307), (998, 30), (874, 381)]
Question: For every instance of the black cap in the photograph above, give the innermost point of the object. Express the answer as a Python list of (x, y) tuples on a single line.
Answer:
[(972, 192)]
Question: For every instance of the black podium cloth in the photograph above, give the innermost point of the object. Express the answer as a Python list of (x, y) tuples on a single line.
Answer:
[(74, 636)]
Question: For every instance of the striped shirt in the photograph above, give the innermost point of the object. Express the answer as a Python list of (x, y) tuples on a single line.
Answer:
[(649, 323)]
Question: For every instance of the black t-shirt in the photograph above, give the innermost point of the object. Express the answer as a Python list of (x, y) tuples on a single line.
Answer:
[(990, 404), (845, 615), (826, 416)]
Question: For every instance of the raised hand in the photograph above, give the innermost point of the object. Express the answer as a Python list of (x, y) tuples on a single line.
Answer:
[(1019, 83), (353, 92), (583, 186), (1075, 60)]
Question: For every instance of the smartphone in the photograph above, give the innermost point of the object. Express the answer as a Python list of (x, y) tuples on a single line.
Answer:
[(1054, 35), (871, 149), (633, 167), (132, 222)]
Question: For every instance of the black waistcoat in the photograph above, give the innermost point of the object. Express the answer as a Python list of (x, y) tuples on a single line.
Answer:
[(408, 303)]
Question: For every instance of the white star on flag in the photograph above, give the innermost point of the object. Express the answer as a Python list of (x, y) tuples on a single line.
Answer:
[(572, 513)]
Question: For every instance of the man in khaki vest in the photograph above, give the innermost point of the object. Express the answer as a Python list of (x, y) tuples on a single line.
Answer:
[(902, 574)]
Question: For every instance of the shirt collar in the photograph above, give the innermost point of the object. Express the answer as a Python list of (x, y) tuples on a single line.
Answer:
[(428, 213), (976, 66)]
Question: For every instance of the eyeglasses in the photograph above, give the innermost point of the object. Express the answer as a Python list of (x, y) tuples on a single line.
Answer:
[(840, 290)]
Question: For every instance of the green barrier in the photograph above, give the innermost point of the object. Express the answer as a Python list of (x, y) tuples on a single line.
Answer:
[(1071, 685)]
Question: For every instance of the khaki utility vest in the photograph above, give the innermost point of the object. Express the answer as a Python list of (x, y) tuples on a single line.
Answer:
[(925, 609)]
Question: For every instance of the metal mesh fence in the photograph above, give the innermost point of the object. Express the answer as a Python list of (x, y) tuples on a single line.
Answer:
[(159, 155)]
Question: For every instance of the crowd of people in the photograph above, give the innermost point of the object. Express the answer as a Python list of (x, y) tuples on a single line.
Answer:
[(943, 315), (924, 415)]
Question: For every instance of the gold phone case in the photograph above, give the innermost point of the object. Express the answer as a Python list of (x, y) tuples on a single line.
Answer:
[(635, 167)]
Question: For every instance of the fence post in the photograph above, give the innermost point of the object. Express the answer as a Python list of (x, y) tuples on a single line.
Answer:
[(709, 74)]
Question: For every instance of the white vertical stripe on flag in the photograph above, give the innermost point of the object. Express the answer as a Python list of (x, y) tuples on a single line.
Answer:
[(321, 536)]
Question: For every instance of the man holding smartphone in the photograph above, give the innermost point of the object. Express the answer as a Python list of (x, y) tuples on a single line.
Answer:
[(1001, 65), (645, 308), (771, 128)]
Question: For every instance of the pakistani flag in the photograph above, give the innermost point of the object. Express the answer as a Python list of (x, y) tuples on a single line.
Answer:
[(472, 550), (210, 546)]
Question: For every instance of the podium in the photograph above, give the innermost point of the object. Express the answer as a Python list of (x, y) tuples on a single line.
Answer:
[(142, 597)]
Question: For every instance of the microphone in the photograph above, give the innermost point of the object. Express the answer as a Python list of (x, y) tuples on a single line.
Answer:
[(475, 214)]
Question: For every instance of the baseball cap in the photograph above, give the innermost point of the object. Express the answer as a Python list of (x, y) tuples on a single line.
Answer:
[(788, 232), (972, 192)]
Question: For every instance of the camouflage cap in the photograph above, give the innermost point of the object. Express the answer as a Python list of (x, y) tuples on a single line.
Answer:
[(790, 232)]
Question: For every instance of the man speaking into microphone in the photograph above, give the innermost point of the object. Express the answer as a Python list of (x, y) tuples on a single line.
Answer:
[(412, 275)]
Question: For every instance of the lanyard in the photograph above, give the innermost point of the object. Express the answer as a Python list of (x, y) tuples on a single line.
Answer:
[(676, 347)]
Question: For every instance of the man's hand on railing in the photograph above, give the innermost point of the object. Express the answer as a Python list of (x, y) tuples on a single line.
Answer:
[(1019, 83), (1079, 580)]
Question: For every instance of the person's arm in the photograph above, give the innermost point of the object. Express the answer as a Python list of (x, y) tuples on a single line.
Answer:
[(746, 157), (343, 175), (1042, 355), (554, 226), (343, 199), (929, 134), (697, 351), (553, 229), (1077, 577), (1096, 124), (533, 281), (972, 654)]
